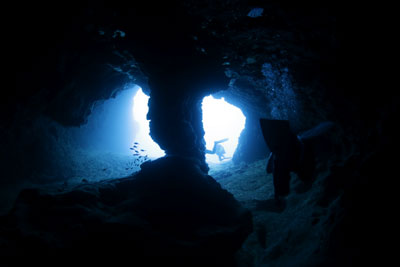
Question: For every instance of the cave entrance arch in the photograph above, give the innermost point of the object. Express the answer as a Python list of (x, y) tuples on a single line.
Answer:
[(221, 121)]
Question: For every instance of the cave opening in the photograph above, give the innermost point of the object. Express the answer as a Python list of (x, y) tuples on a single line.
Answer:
[(143, 144), (223, 124), (115, 139), (110, 127)]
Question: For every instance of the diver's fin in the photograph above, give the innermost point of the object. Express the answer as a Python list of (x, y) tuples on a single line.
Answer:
[(270, 167), (221, 141)]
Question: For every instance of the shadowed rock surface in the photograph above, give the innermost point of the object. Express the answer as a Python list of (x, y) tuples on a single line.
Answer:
[(302, 62), (168, 213)]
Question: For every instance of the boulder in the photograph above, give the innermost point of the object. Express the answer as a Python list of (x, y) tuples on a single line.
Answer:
[(169, 212)]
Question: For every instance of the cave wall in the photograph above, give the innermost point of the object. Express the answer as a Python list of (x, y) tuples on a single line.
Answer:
[(280, 65), (272, 66), (79, 55)]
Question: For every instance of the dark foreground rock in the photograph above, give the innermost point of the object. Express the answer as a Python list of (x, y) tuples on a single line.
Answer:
[(169, 212)]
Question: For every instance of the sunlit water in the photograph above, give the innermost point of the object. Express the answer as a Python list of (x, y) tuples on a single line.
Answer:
[(221, 120), (142, 138)]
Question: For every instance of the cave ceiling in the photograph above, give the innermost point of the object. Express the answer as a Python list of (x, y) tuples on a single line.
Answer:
[(74, 55)]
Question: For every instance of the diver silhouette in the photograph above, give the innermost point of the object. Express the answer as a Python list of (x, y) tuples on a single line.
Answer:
[(291, 153), (218, 149)]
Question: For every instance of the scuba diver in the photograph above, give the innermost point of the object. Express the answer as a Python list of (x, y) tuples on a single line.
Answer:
[(218, 149), (291, 153)]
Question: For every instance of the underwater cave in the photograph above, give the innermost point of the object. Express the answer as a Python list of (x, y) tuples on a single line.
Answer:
[(189, 133)]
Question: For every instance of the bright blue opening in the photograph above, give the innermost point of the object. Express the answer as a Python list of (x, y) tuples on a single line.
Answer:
[(221, 120), (144, 143)]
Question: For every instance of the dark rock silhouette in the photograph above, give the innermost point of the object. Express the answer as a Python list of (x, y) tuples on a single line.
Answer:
[(294, 153), (296, 61), (168, 213)]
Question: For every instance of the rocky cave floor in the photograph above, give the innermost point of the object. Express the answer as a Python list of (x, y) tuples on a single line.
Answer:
[(84, 167), (97, 166), (280, 236)]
